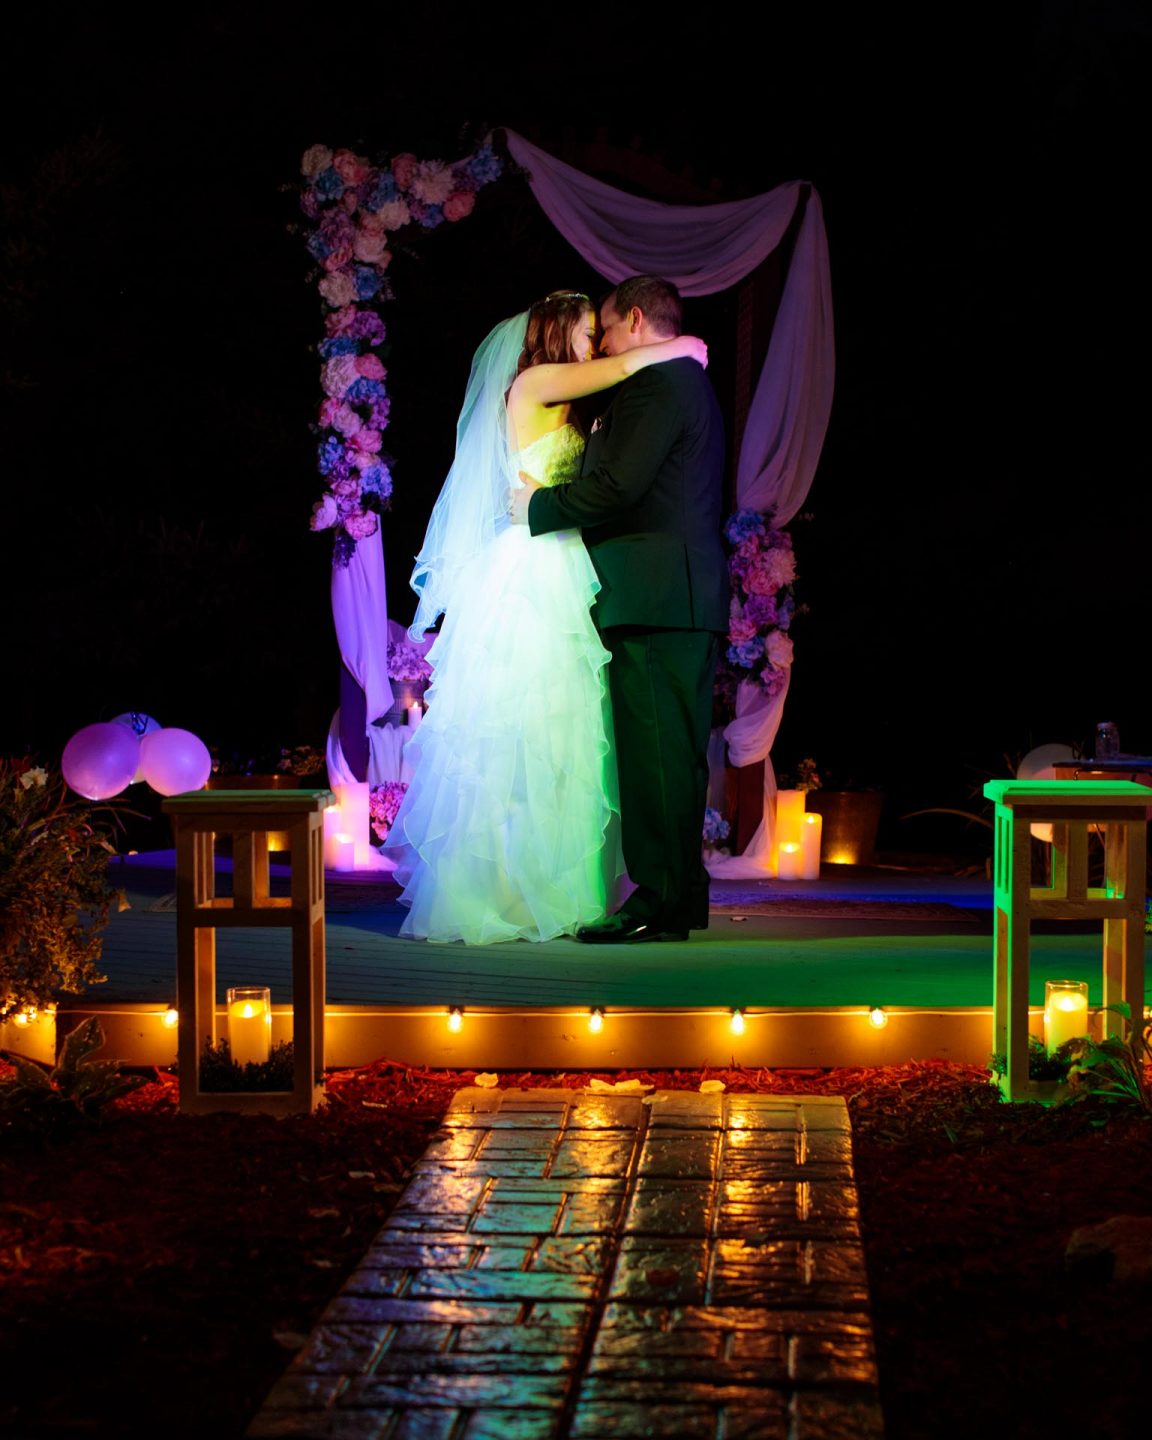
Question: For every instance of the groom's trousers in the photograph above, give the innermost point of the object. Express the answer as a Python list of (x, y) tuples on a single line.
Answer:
[(661, 687)]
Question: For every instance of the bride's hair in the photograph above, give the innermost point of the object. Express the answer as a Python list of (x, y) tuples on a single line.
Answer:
[(548, 339)]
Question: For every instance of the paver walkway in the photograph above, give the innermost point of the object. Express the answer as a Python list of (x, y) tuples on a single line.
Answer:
[(575, 1264)]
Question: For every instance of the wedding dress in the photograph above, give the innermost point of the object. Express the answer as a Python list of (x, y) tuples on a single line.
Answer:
[(509, 828)]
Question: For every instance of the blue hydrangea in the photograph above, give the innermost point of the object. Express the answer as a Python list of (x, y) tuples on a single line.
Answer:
[(430, 216), (747, 653), (339, 345), (743, 524), (377, 192), (318, 247), (331, 455), (485, 165), (365, 391), (376, 481), (329, 184), (367, 280)]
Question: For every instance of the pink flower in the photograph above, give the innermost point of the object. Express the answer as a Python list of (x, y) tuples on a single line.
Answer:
[(329, 410), (351, 168), (432, 183), (363, 459), (458, 205), (367, 442), (361, 524), (339, 375), (781, 565), (338, 290), (370, 367), (740, 629), (759, 581), (346, 421), (316, 158), (403, 168), (778, 648), (339, 257), (346, 489), (370, 249), (340, 320), (324, 514), (394, 214)]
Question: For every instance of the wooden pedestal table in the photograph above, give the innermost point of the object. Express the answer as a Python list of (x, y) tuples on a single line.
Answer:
[(1119, 809), (248, 817)]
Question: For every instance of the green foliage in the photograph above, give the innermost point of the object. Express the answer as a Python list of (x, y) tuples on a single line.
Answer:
[(1113, 1069), (77, 1091), (1041, 1065), (219, 1073), (54, 890)]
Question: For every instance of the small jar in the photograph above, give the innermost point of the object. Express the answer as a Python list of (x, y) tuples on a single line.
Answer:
[(1107, 741)]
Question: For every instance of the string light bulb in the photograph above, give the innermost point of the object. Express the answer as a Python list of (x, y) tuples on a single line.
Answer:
[(877, 1018), (455, 1018), (596, 1019), (736, 1024), (170, 1018)]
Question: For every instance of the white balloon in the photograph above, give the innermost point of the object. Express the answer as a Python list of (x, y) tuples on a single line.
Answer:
[(140, 725), (174, 761), (100, 760), (1040, 763)]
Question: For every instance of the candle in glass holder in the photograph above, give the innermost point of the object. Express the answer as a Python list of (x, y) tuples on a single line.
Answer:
[(811, 827), (250, 1023), (415, 715), (789, 861), (1065, 1012)]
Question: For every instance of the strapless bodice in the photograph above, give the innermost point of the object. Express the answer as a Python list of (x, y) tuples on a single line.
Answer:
[(555, 458)]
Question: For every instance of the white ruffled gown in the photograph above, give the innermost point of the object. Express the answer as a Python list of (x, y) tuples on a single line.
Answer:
[(509, 828)]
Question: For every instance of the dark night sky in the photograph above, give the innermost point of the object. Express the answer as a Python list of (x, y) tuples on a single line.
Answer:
[(975, 566)]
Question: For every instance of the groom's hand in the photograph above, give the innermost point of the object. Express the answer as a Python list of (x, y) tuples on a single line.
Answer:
[(519, 500)]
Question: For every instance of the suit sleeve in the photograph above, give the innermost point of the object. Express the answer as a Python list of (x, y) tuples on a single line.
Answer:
[(645, 422)]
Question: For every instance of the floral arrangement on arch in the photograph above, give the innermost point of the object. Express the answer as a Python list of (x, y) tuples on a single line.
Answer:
[(384, 805), (355, 205), (762, 567), (406, 662)]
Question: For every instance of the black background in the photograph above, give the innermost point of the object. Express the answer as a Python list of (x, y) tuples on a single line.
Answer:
[(975, 561)]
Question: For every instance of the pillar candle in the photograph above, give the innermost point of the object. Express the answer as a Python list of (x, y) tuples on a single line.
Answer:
[(415, 715), (331, 830), (810, 831), (789, 814), (354, 820), (249, 1024), (343, 853), (1065, 1012), (788, 864)]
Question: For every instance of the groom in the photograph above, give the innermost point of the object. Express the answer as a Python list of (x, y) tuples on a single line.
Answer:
[(648, 501)]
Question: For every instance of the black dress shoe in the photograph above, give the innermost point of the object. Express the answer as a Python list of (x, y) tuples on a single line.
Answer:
[(621, 929)]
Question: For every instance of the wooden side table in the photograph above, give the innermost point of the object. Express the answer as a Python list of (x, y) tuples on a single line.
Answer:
[(248, 817), (1072, 807)]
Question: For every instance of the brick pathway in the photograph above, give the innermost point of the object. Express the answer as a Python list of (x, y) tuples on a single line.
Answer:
[(572, 1264)]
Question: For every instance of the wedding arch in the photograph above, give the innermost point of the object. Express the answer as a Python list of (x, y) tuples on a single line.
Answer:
[(355, 204)]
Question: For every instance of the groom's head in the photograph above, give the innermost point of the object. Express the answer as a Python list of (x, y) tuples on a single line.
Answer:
[(639, 311)]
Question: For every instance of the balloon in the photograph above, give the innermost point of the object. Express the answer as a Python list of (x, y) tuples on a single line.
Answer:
[(140, 725), (100, 760), (174, 761), (1040, 764)]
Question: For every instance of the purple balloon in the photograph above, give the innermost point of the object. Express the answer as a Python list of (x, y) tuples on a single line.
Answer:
[(174, 761), (100, 760)]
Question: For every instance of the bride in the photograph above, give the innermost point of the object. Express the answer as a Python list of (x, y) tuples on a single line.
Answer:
[(508, 828)]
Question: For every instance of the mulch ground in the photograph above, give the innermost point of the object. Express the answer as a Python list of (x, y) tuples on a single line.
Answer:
[(157, 1272)]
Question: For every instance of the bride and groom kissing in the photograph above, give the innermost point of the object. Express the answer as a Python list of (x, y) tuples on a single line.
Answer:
[(584, 592)]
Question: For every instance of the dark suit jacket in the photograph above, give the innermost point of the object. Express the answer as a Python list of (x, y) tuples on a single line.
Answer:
[(648, 502)]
